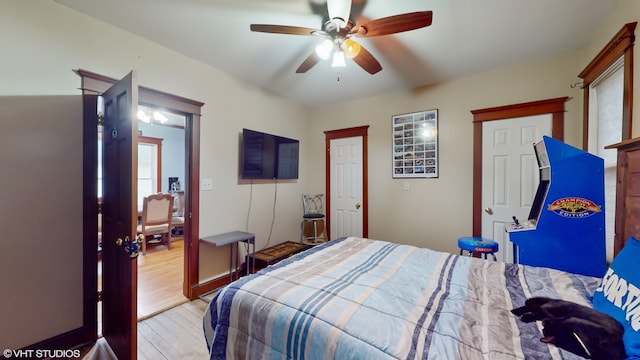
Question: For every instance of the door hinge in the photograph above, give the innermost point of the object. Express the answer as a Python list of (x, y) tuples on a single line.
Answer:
[(100, 119), (99, 295)]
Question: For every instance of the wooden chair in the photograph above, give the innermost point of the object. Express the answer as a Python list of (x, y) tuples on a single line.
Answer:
[(156, 219)]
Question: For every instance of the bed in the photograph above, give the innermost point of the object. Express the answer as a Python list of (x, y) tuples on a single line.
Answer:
[(356, 298)]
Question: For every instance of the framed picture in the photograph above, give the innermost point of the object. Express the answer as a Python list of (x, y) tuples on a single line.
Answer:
[(415, 145)]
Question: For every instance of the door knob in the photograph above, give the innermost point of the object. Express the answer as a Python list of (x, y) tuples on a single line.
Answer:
[(132, 248), (488, 211), (358, 206)]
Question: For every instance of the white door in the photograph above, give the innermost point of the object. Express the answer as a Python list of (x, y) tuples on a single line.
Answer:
[(346, 187), (509, 174)]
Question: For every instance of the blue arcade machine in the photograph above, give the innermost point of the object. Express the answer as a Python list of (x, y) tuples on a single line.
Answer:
[(566, 225)]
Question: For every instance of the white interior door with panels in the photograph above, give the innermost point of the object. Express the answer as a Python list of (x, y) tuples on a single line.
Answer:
[(509, 174), (346, 187)]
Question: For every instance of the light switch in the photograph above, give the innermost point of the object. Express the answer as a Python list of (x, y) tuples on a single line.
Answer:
[(407, 186), (206, 185)]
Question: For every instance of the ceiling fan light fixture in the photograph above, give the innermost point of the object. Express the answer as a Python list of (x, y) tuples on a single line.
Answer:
[(142, 116), (323, 50), (339, 11), (338, 59), (150, 116), (351, 48), (158, 116), (339, 28)]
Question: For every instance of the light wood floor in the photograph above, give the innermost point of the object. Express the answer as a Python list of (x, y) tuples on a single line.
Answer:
[(160, 278), (170, 326), (174, 334)]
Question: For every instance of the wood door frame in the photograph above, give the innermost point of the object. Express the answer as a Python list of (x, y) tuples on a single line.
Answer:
[(92, 84), (359, 131), (555, 107)]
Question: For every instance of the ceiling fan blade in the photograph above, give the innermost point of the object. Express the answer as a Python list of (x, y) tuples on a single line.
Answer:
[(308, 63), (367, 61), (285, 29), (394, 24)]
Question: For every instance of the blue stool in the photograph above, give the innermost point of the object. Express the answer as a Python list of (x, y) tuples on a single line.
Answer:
[(478, 245)]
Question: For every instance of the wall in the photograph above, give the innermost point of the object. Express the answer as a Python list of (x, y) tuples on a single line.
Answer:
[(435, 212), (41, 177), (48, 40), (45, 41)]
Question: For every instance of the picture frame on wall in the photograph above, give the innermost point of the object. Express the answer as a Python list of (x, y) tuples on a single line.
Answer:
[(415, 144)]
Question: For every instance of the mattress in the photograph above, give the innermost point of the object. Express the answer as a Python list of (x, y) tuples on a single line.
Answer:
[(357, 298)]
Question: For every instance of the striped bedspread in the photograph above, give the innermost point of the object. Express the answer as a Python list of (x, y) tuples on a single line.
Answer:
[(358, 298)]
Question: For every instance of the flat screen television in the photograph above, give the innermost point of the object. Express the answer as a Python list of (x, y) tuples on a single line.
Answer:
[(266, 156)]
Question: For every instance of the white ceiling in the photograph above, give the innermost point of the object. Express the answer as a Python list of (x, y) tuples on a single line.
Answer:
[(466, 37)]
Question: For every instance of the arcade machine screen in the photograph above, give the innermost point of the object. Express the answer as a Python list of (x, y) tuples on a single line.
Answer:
[(543, 186)]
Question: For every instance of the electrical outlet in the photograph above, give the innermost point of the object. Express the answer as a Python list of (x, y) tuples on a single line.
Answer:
[(206, 185)]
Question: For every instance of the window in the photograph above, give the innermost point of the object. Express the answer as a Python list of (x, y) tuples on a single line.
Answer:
[(619, 49), (608, 93), (149, 166)]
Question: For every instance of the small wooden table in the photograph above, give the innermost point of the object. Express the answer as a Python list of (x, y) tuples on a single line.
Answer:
[(230, 238), (274, 254)]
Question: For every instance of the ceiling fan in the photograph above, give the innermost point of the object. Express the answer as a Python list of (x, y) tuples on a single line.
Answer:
[(338, 30)]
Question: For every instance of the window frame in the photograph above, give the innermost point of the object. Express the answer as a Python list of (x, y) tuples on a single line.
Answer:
[(141, 139), (158, 146), (620, 46)]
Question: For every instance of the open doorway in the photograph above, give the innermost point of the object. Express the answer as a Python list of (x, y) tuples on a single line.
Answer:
[(190, 111), (161, 169)]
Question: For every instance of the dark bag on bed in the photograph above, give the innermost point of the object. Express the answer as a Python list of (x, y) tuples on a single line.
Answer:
[(576, 328)]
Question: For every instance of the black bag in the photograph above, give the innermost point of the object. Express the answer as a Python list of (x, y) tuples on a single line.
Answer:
[(576, 328)]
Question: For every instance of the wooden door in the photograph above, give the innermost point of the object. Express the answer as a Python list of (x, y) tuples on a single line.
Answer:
[(119, 270), (346, 187), (509, 174)]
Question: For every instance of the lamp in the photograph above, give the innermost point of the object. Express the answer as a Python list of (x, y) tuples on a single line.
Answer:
[(351, 48), (142, 116), (323, 50), (157, 115), (339, 12), (338, 59), (148, 116)]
